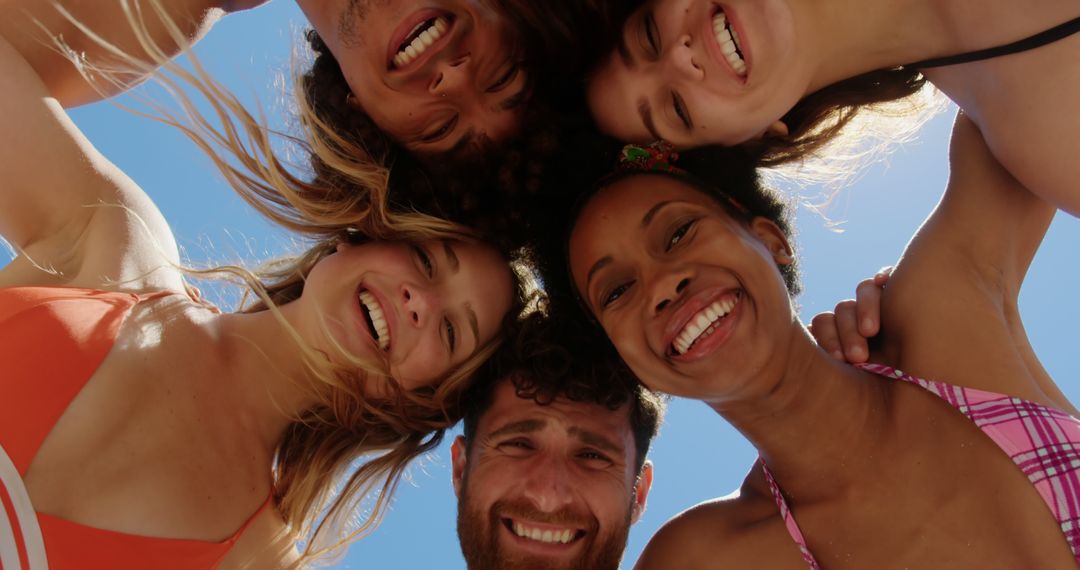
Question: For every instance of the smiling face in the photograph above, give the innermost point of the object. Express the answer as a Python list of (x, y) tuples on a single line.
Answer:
[(696, 72), (436, 75), (550, 486), (692, 299), (425, 308)]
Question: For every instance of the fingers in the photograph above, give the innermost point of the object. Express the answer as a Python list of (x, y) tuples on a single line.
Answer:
[(883, 275), (823, 327), (851, 339), (867, 310)]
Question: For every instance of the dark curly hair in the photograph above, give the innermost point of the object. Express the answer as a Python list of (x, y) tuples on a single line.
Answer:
[(560, 355), (716, 171), (481, 189), (724, 173)]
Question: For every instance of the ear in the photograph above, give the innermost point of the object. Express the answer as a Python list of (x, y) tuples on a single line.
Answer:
[(458, 455), (641, 491), (777, 129), (774, 240), (352, 101)]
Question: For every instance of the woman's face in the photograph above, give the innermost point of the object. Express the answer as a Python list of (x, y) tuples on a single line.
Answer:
[(691, 298), (696, 72), (425, 307), (435, 75)]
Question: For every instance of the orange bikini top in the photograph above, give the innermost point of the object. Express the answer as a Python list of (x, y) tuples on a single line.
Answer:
[(52, 339)]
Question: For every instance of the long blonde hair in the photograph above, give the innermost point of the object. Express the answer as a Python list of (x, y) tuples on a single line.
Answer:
[(319, 449)]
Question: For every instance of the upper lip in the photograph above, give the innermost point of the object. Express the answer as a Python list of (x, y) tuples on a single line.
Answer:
[(402, 32), (690, 305)]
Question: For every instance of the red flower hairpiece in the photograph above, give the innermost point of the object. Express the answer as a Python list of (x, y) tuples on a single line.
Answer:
[(659, 156)]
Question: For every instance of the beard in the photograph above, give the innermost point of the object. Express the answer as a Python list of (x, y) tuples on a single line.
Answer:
[(478, 534)]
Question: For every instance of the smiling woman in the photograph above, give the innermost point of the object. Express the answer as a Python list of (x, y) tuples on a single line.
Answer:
[(786, 77), (257, 442), (696, 292)]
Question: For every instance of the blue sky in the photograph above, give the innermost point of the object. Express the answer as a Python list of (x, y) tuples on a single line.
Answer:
[(697, 455)]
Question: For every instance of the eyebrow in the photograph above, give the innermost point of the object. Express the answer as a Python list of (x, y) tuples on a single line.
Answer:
[(646, 117), (523, 426), (463, 143), (517, 99), (624, 50), (474, 324), (585, 436), (451, 256), (648, 217), (600, 264), (595, 439)]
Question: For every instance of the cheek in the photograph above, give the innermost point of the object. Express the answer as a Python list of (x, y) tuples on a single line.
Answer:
[(420, 367), (629, 339)]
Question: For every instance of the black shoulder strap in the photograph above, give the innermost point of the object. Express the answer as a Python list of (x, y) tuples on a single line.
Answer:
[(1031, 42)]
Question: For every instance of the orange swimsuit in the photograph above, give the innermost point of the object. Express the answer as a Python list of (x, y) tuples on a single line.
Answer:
[(52, 339)]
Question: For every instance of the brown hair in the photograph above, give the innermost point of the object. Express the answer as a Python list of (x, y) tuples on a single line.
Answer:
[(557, 353), (820, 117), (319, 448)]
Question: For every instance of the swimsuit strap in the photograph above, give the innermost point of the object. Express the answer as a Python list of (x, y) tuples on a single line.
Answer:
[(1031, 42), (789, 519)]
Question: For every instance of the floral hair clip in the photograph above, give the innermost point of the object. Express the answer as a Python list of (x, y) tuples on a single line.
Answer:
[(659, 156)]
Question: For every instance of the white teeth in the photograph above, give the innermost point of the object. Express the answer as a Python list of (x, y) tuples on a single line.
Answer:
[(421, 41), (548, 536), (730, 44), (703, 324), (382, 331)]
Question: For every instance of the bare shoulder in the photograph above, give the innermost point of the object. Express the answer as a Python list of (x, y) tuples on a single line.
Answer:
[(1032, 120), (735, 531), (267, 543)]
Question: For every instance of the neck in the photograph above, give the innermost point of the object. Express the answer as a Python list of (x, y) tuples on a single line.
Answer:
[(819, 427), (265, 391), (852, 37)]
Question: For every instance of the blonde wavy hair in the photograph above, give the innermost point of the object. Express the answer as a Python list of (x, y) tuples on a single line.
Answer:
[(317, 486)]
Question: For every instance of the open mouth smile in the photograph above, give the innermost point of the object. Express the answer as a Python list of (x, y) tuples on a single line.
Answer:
[(375, 319), (703, 324), (546, 535), (727, 38), (419, 39)]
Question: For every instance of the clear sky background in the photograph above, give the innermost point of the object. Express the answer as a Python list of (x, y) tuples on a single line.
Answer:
[(697, 455)]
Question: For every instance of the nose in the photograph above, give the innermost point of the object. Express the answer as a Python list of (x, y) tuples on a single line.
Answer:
[(451, 76), (680, 60), (668, 289), (417, 302), (548, 485)]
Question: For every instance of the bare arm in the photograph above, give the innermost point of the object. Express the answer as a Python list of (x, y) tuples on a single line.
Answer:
[(62, 204), (950, 310), (20, 19)]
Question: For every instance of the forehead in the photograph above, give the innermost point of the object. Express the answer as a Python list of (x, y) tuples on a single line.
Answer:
[(626, 204), (612, 92), (486, 280), (562, 417)]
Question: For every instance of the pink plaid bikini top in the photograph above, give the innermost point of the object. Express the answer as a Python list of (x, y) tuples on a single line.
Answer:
[(1042, 441)]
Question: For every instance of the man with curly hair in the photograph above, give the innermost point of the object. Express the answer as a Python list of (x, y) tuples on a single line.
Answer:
[(551, 470)]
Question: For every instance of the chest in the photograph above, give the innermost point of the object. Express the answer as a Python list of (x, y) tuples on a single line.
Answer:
[(952, 499), (143, 437)]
